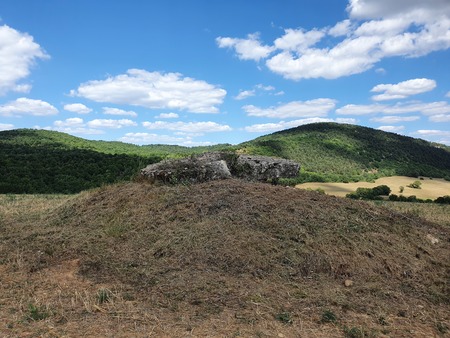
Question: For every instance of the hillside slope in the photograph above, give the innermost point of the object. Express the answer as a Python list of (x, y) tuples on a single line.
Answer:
[(223, 258), (334, 152), (40, 161)]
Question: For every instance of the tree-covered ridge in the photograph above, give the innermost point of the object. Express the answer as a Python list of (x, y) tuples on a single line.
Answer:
[(41, 161), (340, 152)]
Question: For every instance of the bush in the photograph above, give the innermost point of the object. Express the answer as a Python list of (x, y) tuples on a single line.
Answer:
[(415, 185), (443, 199)]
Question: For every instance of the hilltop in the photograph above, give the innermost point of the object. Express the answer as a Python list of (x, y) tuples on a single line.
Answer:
[(223, 258), (40, 161), (332, 152)]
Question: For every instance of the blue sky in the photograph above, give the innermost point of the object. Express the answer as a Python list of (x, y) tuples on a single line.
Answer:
[(202, 72)]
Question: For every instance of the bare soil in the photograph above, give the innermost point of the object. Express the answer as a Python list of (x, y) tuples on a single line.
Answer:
[(429, 189), (219, 259)]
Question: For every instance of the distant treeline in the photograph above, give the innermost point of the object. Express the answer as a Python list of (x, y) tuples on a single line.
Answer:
[(40, 161)]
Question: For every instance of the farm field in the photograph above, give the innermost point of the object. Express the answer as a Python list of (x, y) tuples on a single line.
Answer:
[(430, 188)]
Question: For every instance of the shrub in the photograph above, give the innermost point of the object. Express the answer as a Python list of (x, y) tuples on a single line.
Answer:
[(443, 199), (415, 185)]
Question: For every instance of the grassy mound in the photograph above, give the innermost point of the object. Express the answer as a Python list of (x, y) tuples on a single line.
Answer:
[(229, 257)]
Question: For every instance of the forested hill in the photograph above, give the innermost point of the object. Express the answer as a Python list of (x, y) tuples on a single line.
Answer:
[(40, 161), (342, 152)]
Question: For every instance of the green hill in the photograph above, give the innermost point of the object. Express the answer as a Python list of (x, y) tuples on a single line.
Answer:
[(331, 152), (41, 161)]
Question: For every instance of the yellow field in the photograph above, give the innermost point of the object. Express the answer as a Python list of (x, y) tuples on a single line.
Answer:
[(430, 188)]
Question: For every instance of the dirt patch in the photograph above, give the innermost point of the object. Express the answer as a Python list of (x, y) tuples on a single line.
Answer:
[(224, 258), (430, 188)]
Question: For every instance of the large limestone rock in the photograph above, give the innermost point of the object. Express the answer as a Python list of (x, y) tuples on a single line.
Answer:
[(220, 165)]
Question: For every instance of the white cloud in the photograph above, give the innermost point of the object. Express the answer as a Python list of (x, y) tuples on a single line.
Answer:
[(18, 53), (433, 132), (403, 89), (116, 111), (71, 122), (272, 127), (258, 88), (440, 118), (395, 119), (298, 40), (6, 126), (246, 49), (146, 138), (340, 29), (429, 109), (265, 88), (167, 116), (392, 129), (294, 109), (154, 90), (403, 28), (78, 108), (112, 124), (245, 94), (448, 94), (190, 127), (370, 9), (74, 125), (25, 106)]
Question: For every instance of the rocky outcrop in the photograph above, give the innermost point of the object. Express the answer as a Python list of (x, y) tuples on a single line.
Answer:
[(220, 165)]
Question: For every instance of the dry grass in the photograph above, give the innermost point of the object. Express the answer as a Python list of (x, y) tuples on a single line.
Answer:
[(225, 258), (430, 188)]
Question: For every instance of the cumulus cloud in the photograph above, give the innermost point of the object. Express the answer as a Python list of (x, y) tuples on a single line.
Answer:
[(78, 108), (116, 111), (6, 126), (146, 138), (18, 53), (25, 106), (295, 109), (246, 49), (433, 132), (298, 40), (272, 127), (245, 94), (190, 127), (370, 9), (154, 90), (395, 119), (404, 28), (440, 118), (392, 129), (167, 116), (74, 125), (403, 89), (111, 124), (429, 109), (341, 28)]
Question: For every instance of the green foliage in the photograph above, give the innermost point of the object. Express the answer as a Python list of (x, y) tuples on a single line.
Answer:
[(328, 317), (331, 152), (443, 199), (370, 193), (37, 313), (41, 161), (415, 185), (284, 317)]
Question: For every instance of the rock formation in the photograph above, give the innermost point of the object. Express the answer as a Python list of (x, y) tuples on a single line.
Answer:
[(220, 165)]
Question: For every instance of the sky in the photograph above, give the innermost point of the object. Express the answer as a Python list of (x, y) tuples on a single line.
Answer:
[(203, 72)]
